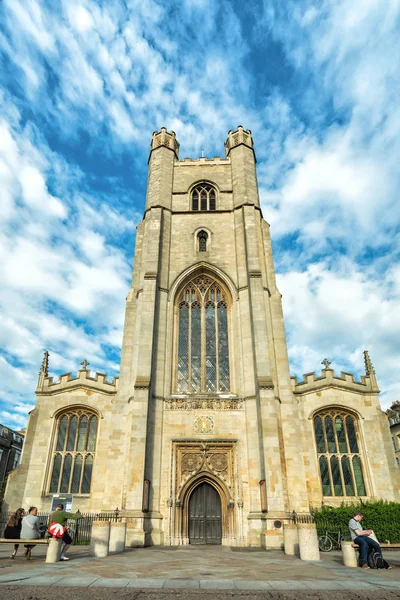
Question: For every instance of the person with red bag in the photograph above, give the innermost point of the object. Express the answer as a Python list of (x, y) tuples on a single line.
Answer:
[(58, 527)]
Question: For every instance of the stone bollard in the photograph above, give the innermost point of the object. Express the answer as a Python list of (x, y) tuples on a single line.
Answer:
[(349, 554), (308, 541), (54, 550), (291, 539), (99, 539), (117, 537)]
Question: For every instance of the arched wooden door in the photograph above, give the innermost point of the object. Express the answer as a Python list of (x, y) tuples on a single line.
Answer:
[(205, 525)]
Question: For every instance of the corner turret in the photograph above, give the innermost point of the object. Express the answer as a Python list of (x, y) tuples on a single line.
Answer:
[(239, 148), (166, 139), (237, 138), (164, 152)]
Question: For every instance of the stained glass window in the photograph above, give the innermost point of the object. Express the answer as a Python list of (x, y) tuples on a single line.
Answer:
[(319, 435), (74, 452), (340, 462), (324, 471), (203, 341), (207, 196)]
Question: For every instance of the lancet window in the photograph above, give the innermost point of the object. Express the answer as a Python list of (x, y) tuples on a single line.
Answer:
[(74, 452), (203, 344), (203, 197), (339, 454), (202, 238)]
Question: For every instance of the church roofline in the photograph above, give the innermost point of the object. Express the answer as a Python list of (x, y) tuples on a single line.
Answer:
[(312, 382)]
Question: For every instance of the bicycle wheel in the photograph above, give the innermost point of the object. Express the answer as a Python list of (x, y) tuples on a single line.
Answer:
[(325, 543)]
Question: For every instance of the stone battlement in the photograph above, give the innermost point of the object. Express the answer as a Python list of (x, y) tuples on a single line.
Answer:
[(312, 382), (67, 382), (203, 160)]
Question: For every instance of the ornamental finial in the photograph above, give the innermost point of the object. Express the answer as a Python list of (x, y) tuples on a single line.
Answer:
[(84, 364), (44, 369), (369, 369), (326, 363)]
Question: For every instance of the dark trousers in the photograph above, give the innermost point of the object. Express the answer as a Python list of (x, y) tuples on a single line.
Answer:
[(365, 542)]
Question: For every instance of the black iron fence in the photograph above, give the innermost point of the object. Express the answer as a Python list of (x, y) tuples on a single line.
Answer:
[(80, 530)]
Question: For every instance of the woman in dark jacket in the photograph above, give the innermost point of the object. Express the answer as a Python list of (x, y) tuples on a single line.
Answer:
[(13, 528)]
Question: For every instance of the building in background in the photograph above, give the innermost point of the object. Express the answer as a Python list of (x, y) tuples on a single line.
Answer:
[(393, 414), (11, 443), (205, 438)]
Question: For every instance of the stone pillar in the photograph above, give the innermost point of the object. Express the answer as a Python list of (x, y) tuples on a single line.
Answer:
[(349, 554), (308, 541), (54, 550), (291, 539), (99, 539), (117, 537)]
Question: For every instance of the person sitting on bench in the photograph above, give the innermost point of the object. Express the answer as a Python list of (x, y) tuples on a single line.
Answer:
[(363, 538), (30, 529), (13, 528)]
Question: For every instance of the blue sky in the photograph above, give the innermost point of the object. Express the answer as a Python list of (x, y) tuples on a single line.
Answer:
[(84, 85)]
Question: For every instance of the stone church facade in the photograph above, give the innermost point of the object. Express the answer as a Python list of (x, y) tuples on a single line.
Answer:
[(205, 437)]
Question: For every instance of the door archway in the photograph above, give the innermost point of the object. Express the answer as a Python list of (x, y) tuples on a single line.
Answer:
[(205, 515)]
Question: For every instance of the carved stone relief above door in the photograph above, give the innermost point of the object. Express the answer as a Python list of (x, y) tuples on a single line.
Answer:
[(195, 463)]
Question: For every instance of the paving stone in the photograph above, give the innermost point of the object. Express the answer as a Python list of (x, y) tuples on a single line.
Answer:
[(110, 582), (43, 580), (288, 585), (252, 585), (217, 584), (77, 581), (189, 584), (323, 585), (146, 583)]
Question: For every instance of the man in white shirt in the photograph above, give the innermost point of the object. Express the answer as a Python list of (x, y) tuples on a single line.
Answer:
[(361, 537)]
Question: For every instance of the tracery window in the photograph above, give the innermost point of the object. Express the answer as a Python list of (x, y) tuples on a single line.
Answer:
[(339, 456), (203, 348), (74, 452), (202, 238), (203, 197)]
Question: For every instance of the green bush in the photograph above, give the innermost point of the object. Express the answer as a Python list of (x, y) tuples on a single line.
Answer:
[(382, 516)]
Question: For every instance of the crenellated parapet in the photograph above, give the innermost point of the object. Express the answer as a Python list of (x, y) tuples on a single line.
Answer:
[(166, 139), (67, 382), (238, 138), (312, 382), (202, 160)]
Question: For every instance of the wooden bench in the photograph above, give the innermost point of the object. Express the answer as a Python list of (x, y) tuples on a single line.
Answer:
[(384, 546), (27, 542)]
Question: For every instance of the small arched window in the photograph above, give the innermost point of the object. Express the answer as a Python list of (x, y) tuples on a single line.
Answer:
[(202, 238), (203, 197), (74, 451), (339, 456)]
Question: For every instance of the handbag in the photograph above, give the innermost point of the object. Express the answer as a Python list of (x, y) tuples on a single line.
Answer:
[(56, 530)]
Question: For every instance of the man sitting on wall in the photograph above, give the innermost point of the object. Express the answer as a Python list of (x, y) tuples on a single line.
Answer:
[(363, 538), (58, 527)]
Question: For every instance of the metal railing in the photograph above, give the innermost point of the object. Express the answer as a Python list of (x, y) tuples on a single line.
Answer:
[(80, 530)]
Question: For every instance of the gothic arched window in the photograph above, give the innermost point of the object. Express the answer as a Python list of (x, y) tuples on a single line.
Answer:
[(74, 451), (202, 347), (203, 197), (339, 456), (202, 238)]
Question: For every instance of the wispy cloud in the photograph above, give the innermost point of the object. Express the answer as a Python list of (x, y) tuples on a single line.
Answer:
[(85, 83)]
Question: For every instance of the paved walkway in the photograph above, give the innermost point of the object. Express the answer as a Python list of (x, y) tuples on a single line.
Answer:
[(196, 567)]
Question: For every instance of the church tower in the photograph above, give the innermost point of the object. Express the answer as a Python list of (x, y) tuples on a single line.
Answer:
[(205, 438), (205, 381)]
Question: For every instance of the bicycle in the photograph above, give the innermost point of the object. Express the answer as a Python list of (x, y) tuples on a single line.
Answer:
[(326, 541)]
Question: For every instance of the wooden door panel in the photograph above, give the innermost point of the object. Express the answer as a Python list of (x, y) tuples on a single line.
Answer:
[(205, 525)]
